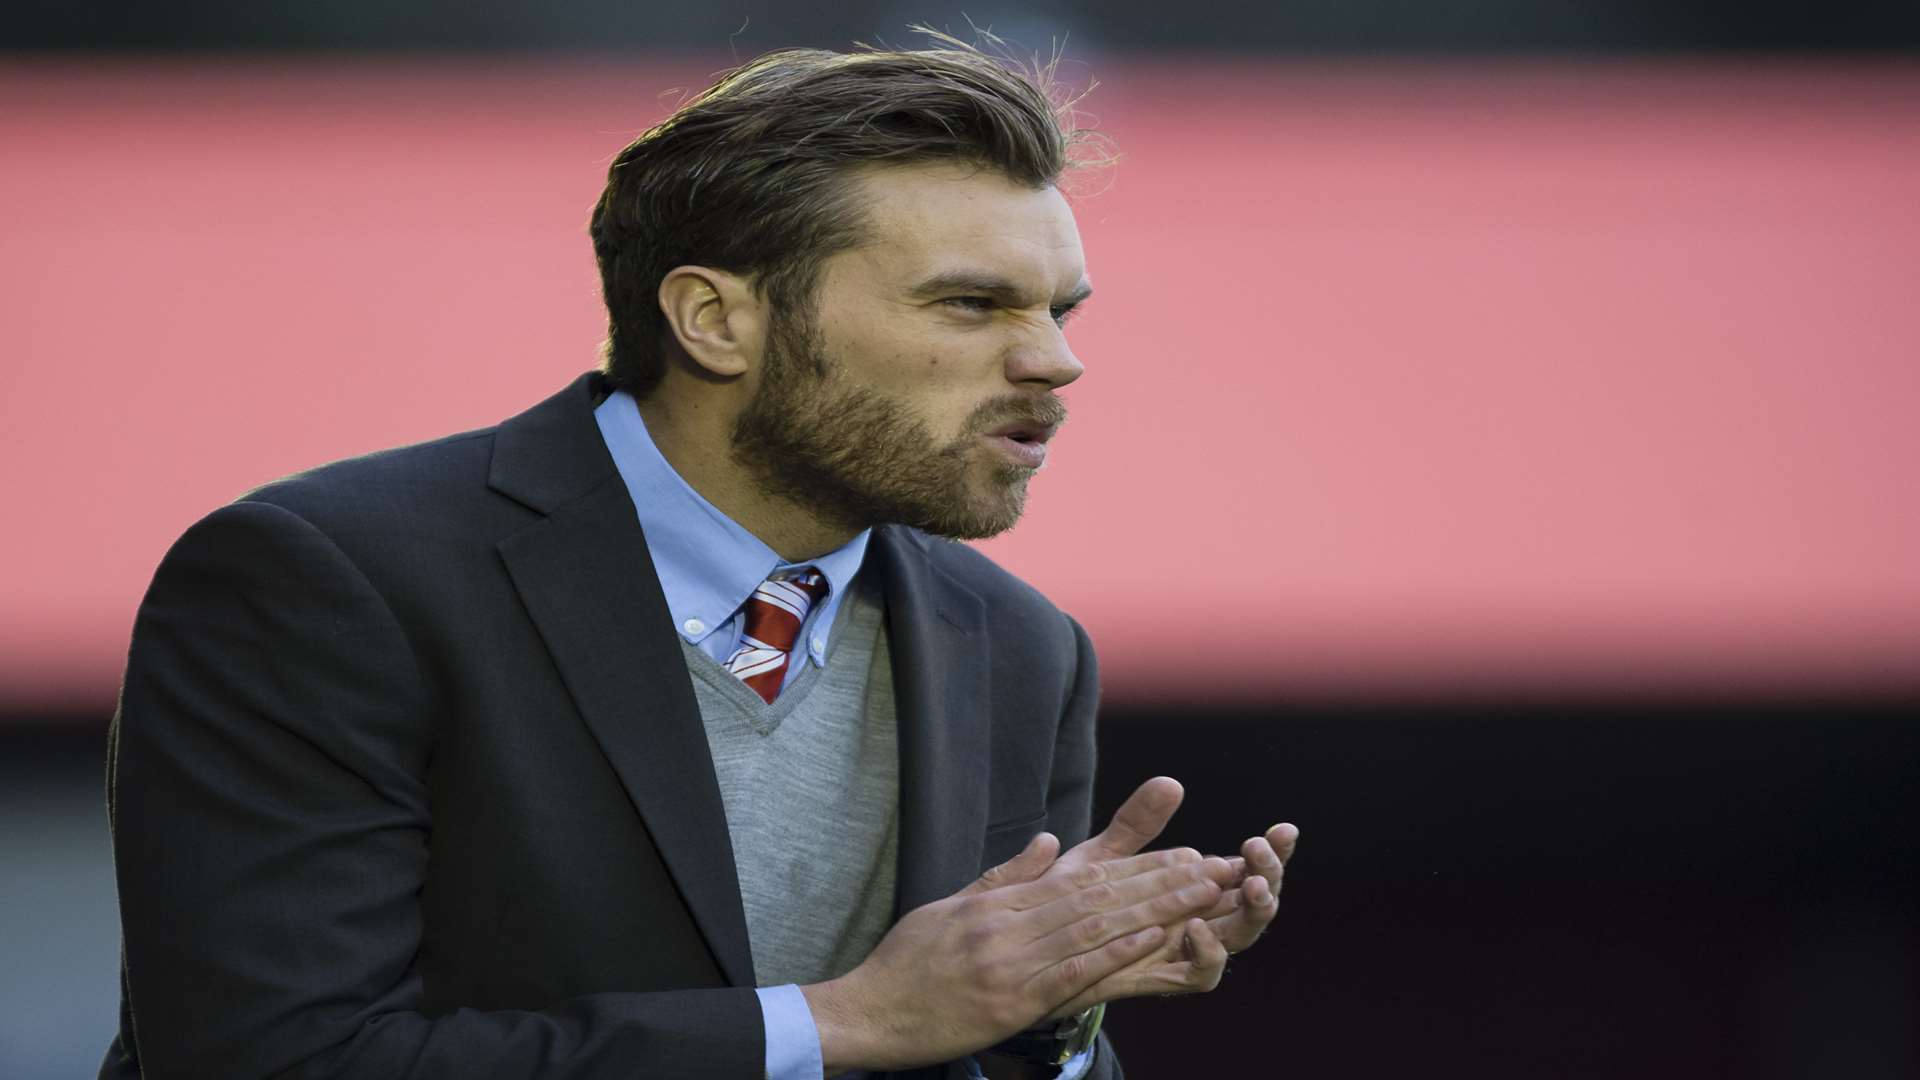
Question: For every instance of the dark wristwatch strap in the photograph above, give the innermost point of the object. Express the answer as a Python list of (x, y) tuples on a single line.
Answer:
[(1055, 1045)]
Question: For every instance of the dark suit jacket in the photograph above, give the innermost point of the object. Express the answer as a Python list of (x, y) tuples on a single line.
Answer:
[(408, 778)]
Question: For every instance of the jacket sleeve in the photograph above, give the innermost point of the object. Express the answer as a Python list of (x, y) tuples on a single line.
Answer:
[(270, 815), (1070, 790)]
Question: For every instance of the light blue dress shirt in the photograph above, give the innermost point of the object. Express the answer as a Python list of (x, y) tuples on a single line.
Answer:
[(708, 566)]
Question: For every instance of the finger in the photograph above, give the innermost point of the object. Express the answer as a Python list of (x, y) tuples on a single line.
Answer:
[(1263, 861), (1065, 879), (1074, 974), (1032, 861), (1088, 932), (1208, 957), (1199, 883), (1283, 838), (1230, 899), (1257, 907), (1193, 964), (1138, 821), (1228, 903)]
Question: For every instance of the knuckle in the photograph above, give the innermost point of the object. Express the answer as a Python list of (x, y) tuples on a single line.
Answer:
[(1176, 903), (1097, 898), (1091, 930), (1174, 878), (979, 936), (1089, 875), (1073, 970), (975, 940)]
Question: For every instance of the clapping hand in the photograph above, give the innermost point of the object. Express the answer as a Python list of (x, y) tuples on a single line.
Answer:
[(1193, 956)]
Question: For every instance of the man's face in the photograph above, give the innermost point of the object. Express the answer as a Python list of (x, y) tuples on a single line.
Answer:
[(920, 392)]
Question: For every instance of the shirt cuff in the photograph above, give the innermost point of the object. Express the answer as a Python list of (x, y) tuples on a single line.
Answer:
[(793, 1041)]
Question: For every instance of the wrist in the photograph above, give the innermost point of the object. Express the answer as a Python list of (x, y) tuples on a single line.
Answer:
[(849, 1038)]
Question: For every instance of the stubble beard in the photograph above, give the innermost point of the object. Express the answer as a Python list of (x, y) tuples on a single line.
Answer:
[(857, 458)]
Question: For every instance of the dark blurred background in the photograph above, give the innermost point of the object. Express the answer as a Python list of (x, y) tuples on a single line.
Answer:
[(1496, 457), (1304, 27)]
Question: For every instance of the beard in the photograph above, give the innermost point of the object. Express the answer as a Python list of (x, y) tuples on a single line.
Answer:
[(858, 458)]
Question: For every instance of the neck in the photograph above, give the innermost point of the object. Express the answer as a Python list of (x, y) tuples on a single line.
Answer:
[(687, 436)]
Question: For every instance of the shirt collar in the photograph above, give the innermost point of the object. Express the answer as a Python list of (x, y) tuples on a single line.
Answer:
[(708, 563)]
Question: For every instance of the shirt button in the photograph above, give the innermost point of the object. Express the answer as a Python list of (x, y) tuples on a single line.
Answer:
[(694, 626)]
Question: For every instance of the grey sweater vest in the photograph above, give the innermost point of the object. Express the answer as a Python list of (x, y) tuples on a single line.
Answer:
[(812, 793)]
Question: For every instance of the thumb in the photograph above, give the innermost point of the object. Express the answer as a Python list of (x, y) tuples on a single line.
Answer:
[(1032, 861), (1139, 820)]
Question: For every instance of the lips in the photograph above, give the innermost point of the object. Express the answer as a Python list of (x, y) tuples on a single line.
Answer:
[(1026, 431), (1025, 425), (1027, 453), (1023, 441)]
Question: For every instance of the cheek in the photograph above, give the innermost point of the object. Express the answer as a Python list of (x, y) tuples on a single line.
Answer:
[(937, 379), (969, 369)]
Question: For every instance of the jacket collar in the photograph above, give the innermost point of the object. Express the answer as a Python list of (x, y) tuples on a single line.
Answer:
[(583, 573), (936, 631), (552, 453)]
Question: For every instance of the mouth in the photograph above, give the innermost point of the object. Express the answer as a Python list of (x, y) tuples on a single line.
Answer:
[(1024, 442), (1026, 432)]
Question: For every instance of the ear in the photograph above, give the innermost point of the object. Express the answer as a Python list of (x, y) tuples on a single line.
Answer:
[(716, 318)]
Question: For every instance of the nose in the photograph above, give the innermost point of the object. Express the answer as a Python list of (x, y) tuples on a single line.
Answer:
[(1044, 359)]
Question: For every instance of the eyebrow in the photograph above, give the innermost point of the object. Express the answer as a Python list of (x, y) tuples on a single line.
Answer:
[(989, 284)]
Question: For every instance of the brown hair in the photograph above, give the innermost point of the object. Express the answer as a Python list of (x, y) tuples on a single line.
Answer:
[(751, 175)]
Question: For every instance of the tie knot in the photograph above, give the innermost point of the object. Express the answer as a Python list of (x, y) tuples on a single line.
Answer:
[(779, 606)]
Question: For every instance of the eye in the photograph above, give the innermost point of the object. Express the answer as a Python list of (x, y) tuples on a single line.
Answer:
[(971, 303), (1062, 312)]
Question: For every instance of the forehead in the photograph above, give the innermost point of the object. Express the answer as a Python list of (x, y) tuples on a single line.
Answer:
[(924, 219)]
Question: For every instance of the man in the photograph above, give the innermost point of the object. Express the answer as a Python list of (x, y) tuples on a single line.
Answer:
[(650, 733)]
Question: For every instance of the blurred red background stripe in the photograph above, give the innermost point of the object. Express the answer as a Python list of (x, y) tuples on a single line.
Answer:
[(1402, 380)]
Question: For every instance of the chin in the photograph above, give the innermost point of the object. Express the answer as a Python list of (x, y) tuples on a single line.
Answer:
[(984, 515)]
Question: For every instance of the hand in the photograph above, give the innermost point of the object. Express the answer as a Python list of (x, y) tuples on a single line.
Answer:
[(963, 973), (1243, 914), (1193, 957)]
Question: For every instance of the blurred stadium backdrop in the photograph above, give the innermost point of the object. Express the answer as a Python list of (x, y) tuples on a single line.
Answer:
[(1497, 454)]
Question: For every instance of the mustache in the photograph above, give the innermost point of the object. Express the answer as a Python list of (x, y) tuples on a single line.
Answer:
[(1045, 410)]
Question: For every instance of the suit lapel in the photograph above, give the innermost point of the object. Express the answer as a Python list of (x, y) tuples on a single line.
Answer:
[(936, 634), (584, 574)]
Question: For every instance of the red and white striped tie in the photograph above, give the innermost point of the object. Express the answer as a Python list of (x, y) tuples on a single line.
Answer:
[(774, 614)]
